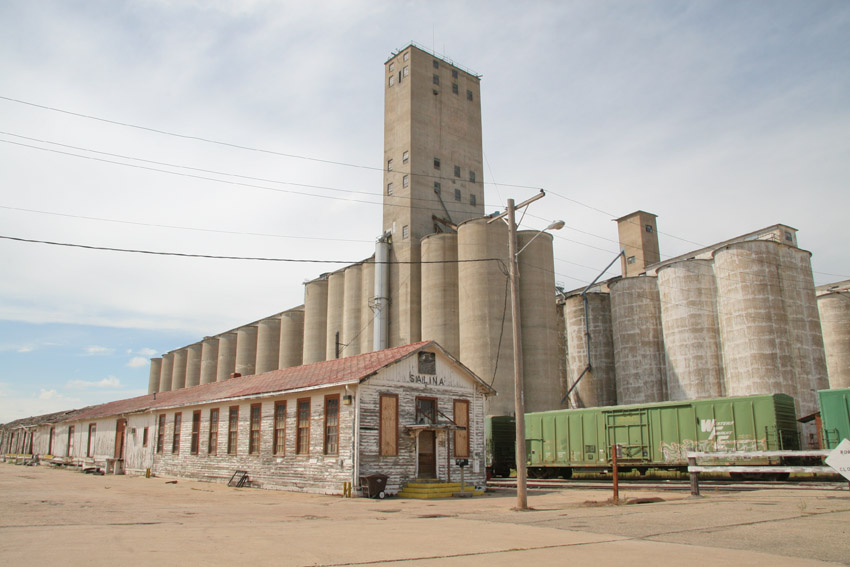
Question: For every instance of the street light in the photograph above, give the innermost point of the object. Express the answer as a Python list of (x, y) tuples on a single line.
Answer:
[(519, 399)]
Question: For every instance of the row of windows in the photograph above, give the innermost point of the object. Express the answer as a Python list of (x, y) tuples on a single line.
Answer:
[(302, 434), (457, 171), (438, 189), (90, 440), (405, 72)]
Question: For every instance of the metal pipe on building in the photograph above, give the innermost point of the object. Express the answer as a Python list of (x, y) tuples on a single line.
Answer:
[(193, 365), (209, 360), (268, 345), (367, 316), (382, 293), (226, 356), (291, 338), (154, 376), (246, 350)]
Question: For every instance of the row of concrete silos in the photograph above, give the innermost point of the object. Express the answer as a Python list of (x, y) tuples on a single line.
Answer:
[(744, 322), (269, 344), (834, 309)]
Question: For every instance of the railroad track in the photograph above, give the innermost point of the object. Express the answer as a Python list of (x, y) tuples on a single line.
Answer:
[(675, 485)]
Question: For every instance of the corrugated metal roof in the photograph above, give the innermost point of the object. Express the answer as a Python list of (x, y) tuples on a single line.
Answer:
[(318, 374)]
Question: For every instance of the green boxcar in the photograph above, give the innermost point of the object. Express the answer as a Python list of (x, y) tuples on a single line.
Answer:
[(500, 431), (835, 416), (657, 435)]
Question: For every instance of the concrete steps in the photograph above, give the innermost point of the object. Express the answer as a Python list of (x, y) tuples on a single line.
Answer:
[(424, 489)]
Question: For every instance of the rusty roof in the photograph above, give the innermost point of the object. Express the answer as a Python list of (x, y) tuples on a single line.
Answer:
[(347, 370)]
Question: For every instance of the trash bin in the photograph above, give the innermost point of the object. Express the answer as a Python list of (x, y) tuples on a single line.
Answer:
[(373, 485)]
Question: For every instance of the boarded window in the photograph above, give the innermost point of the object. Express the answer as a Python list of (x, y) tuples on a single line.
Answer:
[(145, 437), (332, 424), (427, 363), (254, 440), (461, 436), (233, 430), (212, 446), (175, 441), (70, 451), (160, 434), (302, 445), (92, 434), (279, 428), (389, 425), (196, 431)]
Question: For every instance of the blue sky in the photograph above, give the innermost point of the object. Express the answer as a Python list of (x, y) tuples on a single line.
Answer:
[(720, 117)]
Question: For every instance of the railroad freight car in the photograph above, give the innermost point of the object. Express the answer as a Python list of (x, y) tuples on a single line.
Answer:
[(835, 416), (657, 435), (501, 445)]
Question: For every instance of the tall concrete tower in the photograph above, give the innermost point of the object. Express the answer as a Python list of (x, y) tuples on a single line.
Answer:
[(433, 176), (639, 237)]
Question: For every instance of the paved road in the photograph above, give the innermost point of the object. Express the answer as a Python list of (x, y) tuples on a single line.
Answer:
[(64, 517)]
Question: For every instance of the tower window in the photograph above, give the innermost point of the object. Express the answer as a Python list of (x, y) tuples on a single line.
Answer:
[(405, 231), (472, 176), (436, 79), (468, 95), (457, 171), (436, 64), (788, 236), (405, 72), (389, 188), (457, 194), (405, 156), (406, 56), (436, 163), (649, 228), (437, 187), (392, 66), (392, 80), (454, 73), (405, 181), (472, 200), (454, 88), (631, 260), (389, 165)]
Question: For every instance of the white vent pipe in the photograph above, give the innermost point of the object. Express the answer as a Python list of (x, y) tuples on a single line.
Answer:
[(382, 292)]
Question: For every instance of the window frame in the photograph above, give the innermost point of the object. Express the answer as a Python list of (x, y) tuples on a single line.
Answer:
[(233, 430), (390, 164), (436, 79), (195, 445), (458, 195), (279, 439), (405, 181), (436, 163), (473, 200), (212, 436), (461, 438), (381, 428), (70, 447), (405, 232), (455, 88), (457, 171), (255, 424), (92, 436), (405, 156), (468, 94), (327, 449), (390, 188), (175, 435), (160, 434), (302, 445), (145, 437)]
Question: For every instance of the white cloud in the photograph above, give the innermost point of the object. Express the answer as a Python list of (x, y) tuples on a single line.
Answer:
[(26, 348), (110, 382), (99, 350), (137, 362), (146, 351), (48, 394)]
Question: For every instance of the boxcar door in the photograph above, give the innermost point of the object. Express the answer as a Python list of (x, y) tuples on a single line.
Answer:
[(629, 430)]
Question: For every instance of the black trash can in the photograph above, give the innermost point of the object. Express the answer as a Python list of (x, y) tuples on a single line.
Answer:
[(373, 485)]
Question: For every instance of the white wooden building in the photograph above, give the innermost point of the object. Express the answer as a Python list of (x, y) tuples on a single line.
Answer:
[(408, 412)]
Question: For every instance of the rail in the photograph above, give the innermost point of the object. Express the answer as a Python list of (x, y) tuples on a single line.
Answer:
[(694, 469)]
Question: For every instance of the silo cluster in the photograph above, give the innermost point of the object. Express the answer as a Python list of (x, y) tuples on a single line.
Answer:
[(834, 307)]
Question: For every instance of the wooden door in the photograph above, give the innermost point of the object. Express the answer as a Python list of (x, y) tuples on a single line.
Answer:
[(120, 428), (427, 454)]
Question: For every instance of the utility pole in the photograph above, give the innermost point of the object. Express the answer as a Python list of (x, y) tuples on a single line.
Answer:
[(519, 397)]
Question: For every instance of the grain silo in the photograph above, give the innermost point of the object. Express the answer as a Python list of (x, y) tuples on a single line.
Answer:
[(485, 331), (178, 371), (226, 356), (351, 327), (193, 365), (246, 350), (209, 360), (291, 338), (753, 324), (336, 309), (268, 345), (165, 372), (693, 354), (155, 373), (367, 316), (834, 307), (440, 290), (539, 324), (588, 326), (638, 340), (315, 319)]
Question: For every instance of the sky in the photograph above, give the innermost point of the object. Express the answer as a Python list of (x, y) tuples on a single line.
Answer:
[(254, 129)]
